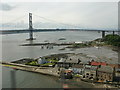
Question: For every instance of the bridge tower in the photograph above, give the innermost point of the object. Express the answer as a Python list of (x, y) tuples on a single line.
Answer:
[(30, 27)]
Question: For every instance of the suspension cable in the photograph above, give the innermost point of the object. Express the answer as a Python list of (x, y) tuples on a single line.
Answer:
[(56, 21), (15, 19)]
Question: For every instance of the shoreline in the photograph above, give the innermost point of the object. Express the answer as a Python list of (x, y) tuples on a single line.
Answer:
[(73, 45), (46, 71), (34, 69)]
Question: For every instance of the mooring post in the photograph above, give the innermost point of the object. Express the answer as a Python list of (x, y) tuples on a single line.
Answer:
[(103, 34)]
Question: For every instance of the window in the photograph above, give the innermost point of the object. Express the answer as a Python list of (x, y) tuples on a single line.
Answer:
[(110, 78), (87, 73), (84, 76), (91, 78), (91, 74)]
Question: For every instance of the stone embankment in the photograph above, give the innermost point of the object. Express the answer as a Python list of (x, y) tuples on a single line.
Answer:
[(41, 70)]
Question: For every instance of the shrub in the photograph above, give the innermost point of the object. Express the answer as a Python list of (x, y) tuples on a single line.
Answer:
[(112, 40)]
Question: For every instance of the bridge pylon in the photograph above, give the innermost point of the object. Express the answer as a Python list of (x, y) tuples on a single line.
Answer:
[(30, 27)]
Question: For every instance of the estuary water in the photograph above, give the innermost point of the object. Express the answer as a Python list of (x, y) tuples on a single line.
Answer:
[(11, 51)]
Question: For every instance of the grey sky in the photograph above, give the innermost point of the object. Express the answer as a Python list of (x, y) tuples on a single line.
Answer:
[(96, 15)]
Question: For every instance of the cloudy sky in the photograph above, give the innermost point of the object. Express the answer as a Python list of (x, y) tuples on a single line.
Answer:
[(89, 15)]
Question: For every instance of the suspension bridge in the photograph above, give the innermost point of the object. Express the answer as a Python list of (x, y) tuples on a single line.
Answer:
[(30, 30)]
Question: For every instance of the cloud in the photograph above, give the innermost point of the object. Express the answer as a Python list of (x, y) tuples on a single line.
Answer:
[(6, 7)]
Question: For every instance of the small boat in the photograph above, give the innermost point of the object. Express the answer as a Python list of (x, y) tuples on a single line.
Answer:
[(62, 39), (97, 47), (62, 49), (15, 68), (78, 42), (46, 41)]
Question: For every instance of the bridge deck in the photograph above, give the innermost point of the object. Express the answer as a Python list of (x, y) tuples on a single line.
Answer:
[(49, 30)]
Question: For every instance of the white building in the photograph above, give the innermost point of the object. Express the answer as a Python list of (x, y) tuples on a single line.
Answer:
[(42, 61)]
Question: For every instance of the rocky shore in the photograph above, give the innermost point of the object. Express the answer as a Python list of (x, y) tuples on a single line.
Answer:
[(100, 42)]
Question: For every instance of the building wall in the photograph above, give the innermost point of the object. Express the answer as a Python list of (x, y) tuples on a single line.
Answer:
[(104, 76), (90, 75), (42, 61), (78, 70), (63, 65)]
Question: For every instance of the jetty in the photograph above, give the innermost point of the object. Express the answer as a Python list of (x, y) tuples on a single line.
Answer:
[(42, 70)]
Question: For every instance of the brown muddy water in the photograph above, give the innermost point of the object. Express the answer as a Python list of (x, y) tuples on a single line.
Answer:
[(11, 51)]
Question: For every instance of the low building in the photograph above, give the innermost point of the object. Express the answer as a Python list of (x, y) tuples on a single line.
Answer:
[(94, 63), (77, 69), (42, 60), (117, 66), (117, 77), (63, 64), (73, 59), (105, 74), (68, 62), (90, 72)]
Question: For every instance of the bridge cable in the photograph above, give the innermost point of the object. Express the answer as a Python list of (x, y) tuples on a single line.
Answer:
[(15, 19), (14, 25), (56, 21)]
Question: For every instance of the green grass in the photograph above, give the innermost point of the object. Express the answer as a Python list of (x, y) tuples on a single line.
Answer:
[(9, 65), (52, 60), (47, 64), (32, 63), (35, 63), (12, 66), (77, 75)]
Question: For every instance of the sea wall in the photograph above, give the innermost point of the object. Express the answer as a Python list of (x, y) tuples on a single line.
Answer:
[(41, 70)]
